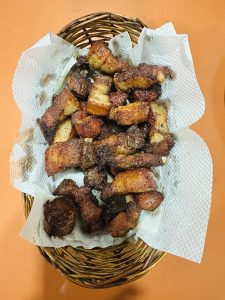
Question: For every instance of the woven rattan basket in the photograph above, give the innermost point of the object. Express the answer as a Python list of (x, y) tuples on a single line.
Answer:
[(100, 268)]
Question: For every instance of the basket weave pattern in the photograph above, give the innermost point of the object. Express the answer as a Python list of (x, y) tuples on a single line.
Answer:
[(115, 265)]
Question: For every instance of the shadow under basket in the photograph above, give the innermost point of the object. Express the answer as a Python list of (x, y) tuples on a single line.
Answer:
[(115, 265)]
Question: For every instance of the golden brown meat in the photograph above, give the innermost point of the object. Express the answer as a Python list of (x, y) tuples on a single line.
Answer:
[(158, 116), (63, 105), (59, 217), (130, 181), (149, 95), (161, 143), (129, 114), (86, 126), (121, 143), (89, 210), (95, 177), (124, 221), (118, 98), (98, 99), (143, 76), (64, 132), (149, 201), (69, 154), (136, 160), (101, 58), (161, 140)]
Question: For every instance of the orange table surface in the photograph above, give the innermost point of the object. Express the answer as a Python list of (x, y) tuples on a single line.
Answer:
[(24, 274)]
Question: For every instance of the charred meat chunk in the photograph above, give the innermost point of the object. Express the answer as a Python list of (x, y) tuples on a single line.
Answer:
[(118, 98), (136, 160), (77, 79), (124, 221), (149, 95), (121, 143), (89, 210), (95, 177), (149, 201), (114, 206), (101, 58), (143, 77), (64, 104), (59, 217)]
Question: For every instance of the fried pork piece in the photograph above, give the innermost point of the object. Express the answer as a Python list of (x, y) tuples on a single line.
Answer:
[(138, 180), (136, 160), (86, 126), (161, 140), (89, 210), (121, 143), (129, 114), (108, 129), (101, 58), (98, 99), (147, 95), (70, 154), (149, 201), (64, 132), (95, 177), (114, 206), (118, 98), (77, 79), (63, 105), (59, 217), (143, 76), (124, 221), (158, 116), (161, 143)]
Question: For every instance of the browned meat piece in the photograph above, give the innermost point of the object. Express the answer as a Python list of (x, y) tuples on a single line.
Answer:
[(161, 140), (114, 171), (123, 222), (143, 76), (114, 206), (77, 79), (63, 105), (89, 210), (147, 95), (98, 99), (86, 126), (59, 217), (129, 114), (95, 177), (136, 160), (64, 132), (161, 144), (101, 58), (108, 129), (158, 116), (118, 98), (69, 154), (150, 200), (138, 180), (121, 143), (79, 84)]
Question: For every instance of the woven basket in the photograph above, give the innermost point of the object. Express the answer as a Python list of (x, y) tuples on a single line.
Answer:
[(100, 268)]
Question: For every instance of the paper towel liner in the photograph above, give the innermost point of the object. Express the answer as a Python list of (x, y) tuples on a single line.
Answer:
[(179, 225)]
